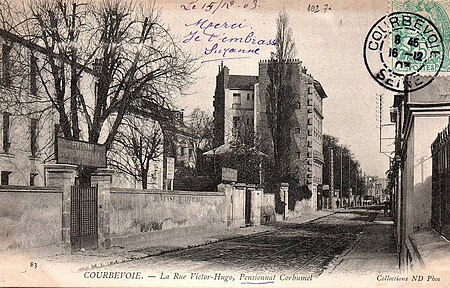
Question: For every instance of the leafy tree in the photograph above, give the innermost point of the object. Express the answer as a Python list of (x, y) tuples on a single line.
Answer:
[(350, 172)]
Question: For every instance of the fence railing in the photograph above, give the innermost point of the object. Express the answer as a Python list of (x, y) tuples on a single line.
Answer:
[(440, 207)]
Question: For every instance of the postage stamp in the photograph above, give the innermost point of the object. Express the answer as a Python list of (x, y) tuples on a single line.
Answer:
[(403, 51), (436, 11)]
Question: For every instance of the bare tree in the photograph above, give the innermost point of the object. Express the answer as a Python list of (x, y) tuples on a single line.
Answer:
[(200, 124), (99, 60), (278, 95), (285, 47), (279, 109), (138, 143)]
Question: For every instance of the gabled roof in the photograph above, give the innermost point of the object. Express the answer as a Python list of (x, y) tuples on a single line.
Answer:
[(244, 82)]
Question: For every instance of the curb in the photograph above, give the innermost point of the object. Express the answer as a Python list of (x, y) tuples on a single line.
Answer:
[(129, 259)]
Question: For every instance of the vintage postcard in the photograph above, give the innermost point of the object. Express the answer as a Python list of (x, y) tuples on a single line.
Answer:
[(224, 143)]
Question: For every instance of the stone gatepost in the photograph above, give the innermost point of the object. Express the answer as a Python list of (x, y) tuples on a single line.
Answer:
[(62, 176), (238, 212), (227, 190), (102, 178), (284, 194), (257, 194)]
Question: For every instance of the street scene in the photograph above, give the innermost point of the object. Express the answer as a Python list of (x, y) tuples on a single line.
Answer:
[(292, 248), (224, 143)]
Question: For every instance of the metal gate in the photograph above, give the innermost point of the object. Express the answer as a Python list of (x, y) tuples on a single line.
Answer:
[(83, 217), (248, 207), (440, 208)]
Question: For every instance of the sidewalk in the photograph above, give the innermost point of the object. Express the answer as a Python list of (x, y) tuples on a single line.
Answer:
[(162, 242), (373, 254)]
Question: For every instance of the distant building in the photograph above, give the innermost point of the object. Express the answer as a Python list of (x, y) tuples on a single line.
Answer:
[(376, 188), (234, 100), (240, 107)]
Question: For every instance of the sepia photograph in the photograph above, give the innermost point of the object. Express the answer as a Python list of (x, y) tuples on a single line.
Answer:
[(225, 143)]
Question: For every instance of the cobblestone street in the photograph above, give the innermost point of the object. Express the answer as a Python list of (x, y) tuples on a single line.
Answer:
[(356, 241), (328, 247), (303, 249)]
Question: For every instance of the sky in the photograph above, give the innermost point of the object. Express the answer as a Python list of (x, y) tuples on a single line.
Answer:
[(329, 43)]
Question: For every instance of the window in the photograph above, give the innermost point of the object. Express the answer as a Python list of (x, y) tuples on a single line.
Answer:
[(190, 153), (33, 75), (32, 179), (297, 105), (248, 96), (248, 121), (33, 137), (5, 178), (182, 151), (310, 90), (253, 96), (6, 65), (237, 98), (6, 143)]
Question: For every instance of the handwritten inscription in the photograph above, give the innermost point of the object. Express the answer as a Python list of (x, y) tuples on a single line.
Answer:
[(214, 6), (315, 8), (226, 39)]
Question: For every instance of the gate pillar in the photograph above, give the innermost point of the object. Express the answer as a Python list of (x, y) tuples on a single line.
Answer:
[(284, 194), (63, 177), (102, 178)]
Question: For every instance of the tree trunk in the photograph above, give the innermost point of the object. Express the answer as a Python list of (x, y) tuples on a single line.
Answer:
[(144, 177), (73, 97)]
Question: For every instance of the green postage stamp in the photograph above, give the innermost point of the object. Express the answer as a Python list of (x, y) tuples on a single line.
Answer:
[(436, 11)]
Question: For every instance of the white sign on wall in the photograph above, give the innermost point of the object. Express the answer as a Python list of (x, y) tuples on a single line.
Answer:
[(170, 167)]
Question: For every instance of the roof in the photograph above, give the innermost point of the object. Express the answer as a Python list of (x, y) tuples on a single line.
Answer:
[(244, 82), (319, 89)]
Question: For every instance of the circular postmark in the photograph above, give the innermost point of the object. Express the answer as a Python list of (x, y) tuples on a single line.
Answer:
[(403, 51)]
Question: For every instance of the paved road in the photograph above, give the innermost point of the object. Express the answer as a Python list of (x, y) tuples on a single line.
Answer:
[(303, 249)]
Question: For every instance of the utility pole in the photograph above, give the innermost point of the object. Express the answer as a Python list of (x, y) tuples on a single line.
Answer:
[(340, 191), (331, 177), (356, 186), (381, 125), (349, 179)]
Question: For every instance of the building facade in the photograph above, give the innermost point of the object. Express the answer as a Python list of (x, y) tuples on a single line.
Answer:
[(234, 107), (28, 122), (241, 101), (419, 117)]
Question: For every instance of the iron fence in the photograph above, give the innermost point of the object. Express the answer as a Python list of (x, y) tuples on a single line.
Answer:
[(440, 208)]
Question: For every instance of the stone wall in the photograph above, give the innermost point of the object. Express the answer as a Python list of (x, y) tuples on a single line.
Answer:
[(136, 213), (30, 217)]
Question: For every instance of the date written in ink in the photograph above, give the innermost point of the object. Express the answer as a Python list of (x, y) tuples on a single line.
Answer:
[(316, 8), (33, 265), (214, 6)]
